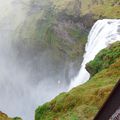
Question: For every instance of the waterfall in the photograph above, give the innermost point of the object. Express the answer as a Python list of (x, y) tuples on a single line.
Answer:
[(103, 33), (23, 87)]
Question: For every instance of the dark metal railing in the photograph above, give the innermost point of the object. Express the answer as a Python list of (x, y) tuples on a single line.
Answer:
[(111, 104)]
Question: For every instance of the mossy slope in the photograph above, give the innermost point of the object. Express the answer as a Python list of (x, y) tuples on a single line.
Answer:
[(83, 102)]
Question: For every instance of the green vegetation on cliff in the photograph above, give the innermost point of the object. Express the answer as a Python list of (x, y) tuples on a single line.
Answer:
[(84, 101), (17, 118), (72, 47), (104, 59), (61, 27), (102, 8), (99, 8)]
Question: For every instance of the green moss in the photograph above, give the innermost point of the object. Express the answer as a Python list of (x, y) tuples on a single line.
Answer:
[(104, 59), (107, 9), (17, 118), (84, 101), (41, 111), (100, 8)]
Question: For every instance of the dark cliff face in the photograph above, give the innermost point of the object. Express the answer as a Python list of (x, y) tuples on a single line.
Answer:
[(54, 40), (54, 35)]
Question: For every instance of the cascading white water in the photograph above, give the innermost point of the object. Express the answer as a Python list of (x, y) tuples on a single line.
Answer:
[(103, 33)]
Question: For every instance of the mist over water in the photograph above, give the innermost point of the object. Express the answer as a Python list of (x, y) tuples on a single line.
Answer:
[(27, 80)]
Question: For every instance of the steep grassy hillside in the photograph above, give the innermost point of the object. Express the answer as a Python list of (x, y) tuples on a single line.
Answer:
[(83, 102)]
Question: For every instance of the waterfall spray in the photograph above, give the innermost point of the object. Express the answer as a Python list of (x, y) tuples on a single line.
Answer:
[(103, 33), (25, 76)]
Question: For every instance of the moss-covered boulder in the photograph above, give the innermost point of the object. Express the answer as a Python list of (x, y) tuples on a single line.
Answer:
[(104, 59)]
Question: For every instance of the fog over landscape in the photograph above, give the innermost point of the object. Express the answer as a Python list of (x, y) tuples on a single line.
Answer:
[(25, 77)]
